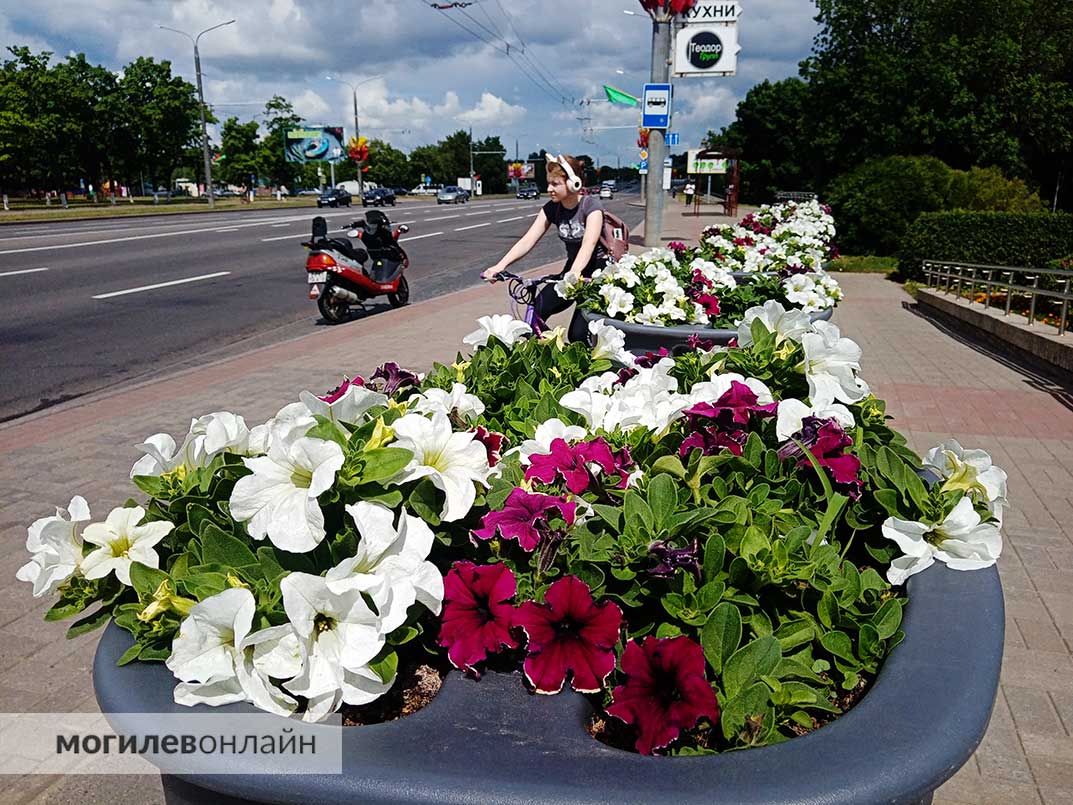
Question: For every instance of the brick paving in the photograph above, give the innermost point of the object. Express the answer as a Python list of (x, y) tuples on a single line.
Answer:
[(936, 385)]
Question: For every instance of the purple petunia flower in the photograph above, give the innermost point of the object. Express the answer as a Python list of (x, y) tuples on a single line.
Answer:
[(665, 691), (698, 343), (650, 359), (394, 377), (341, 389), (569, 634), (670, 559), (524, 517), (572, 464), (714, 427)]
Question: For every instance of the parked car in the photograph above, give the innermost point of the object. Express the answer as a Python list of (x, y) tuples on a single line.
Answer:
[(309, 191), (334, 197), (528, 191), (401, 191), (607, 191), (427, 189), (378, 197), (452, 194)]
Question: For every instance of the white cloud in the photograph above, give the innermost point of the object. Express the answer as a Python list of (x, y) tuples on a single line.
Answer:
[(492, 110)]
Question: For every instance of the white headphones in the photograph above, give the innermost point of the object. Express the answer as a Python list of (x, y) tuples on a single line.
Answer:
[(572, 182)]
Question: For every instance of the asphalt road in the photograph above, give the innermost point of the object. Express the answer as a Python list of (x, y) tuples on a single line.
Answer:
[(88, 304)]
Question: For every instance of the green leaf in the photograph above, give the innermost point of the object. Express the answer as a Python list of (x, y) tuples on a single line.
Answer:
[(671, 464), (152, 485), (61, 610), (386, 666), (714, 550), (639, 518), (721, 635), (612, 515), (827, 610), (424, 501), (839, 644), (94, 620), (146, 580), (887, 620), (738, 709), (219, 547), (662, 500), (749, 663), (384, 462), (130, 655)]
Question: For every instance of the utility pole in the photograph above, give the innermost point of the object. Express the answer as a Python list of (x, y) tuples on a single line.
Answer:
[(361, 173), (201, 104), (472, 188), (662, 32)]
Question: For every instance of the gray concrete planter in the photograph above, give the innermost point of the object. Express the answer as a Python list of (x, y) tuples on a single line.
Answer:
[(492, 742), (642, 338)]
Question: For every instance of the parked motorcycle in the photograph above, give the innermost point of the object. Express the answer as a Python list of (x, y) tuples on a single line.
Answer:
[(343, 275)]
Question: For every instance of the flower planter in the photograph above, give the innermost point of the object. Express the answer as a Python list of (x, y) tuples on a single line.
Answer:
[(642, 338), (491, 741)]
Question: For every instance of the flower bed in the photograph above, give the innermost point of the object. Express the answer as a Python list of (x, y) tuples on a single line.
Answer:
[(775, 254), (710, 546)]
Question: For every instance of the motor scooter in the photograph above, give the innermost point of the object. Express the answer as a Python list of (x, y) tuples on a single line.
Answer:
[(342, 275)]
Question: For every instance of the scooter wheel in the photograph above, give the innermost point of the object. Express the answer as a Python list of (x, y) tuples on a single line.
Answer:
[(334, 310), (402, 295)]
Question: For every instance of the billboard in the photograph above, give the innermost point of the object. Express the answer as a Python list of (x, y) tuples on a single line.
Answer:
[(314, 144), (698, 164), (523, 171)]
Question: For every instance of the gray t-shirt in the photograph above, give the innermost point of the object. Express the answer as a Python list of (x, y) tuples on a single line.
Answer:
[(570, 224)]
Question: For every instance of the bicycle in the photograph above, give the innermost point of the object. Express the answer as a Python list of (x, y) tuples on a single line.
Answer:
[(523, 291)]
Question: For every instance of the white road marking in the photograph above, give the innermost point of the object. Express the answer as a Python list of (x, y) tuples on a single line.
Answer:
[(161, 285), (485, 212), (441, 218), (227, 229), (418, 237), (149, 236), (515, 218), (22, 271), (474, 226), (277, 226), (282, 237)]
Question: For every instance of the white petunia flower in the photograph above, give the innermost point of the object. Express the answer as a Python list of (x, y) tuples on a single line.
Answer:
[(121, 542), (454, 462), (279, 500), (962, 541), (209, 436), (786, 324), (292, 420), (971, 471), (831, 366), (394, 560), (338, 636), (55, 546), (501, 326), (350, 406), (457, 400), (719, 384), (791, 415), (610, 343), (617, 300)]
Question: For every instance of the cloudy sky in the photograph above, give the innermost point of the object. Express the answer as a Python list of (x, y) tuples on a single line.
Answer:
[(429, 76)]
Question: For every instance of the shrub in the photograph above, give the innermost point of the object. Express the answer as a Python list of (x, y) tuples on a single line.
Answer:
[(990, 238), (878, 202)]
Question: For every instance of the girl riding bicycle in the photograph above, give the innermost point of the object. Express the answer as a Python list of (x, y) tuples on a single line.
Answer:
[(579, 221)]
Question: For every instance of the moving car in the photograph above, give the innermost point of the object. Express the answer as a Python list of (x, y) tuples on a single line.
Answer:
[(378, 197), (334, 197), (528, 191), (607, 191), (452, 194)]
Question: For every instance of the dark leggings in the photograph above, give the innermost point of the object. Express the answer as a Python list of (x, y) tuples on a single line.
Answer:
[(548, 303)]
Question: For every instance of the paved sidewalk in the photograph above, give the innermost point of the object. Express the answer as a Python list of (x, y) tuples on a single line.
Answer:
[(937, 387)]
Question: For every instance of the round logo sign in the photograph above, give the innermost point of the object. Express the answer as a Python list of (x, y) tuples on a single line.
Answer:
[(644, 154), (704, 50)]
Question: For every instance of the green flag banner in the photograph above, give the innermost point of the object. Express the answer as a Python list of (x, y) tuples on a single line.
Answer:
[(618, 96)]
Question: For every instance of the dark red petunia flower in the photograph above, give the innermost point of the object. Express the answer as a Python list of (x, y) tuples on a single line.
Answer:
[(569, 633), (698, 343), (698, 279), (394, 377), (665, 691), (670, 559), (524, 516), (723, 423), (827, 442), (710, 440), (477, 613), (493, 443), (709, 302), (624, 374), (341, 389)]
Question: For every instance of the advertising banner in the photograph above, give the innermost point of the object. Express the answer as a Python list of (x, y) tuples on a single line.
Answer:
[(701, 50), (314, 144), (698, 164)]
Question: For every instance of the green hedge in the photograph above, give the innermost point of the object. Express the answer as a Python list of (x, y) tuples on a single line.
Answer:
[(1032, 239)]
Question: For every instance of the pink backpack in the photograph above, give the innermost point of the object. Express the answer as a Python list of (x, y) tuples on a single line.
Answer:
[(616, 237)]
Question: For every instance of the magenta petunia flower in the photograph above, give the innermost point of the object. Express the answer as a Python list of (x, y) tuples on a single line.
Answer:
[(524, 517), (698, 343), (827, 442), (709, 302), (341, 389), (477, 613), (665, 691), (650, 359), (394, 377), (624, 374), (572, 464), (569, 633), (722, 424), (493, 443), (698, 279)]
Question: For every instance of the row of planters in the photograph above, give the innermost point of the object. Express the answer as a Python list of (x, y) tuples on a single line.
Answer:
[(665, 297), (603, 558)]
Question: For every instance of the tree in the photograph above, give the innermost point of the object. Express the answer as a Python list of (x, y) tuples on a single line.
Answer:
[(491, 167), (31, 123), (454, 153), (427, 160), (389, 166), (278, 117), (241, 152)]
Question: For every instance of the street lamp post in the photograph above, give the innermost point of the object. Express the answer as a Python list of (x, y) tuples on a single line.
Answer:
[(201, 104), (354, 97)]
